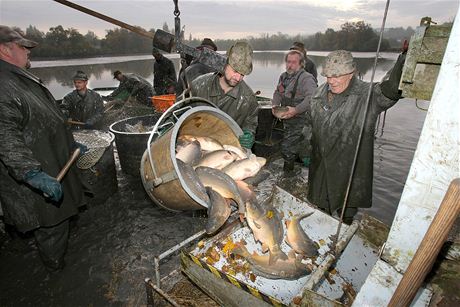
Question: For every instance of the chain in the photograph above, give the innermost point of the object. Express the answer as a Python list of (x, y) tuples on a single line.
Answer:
[(176, 8)]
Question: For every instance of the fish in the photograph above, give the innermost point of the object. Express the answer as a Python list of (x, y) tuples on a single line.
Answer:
[(246, 191), (267, 229), (222, 184), (278, 111), (238, 151), (298, 239), (245, 168), (218, 211), (217, 159), (207, 143), (189, 153), (193, 182), (290, 268)]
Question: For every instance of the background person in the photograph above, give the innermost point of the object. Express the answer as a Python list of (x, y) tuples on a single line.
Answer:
[(132, 85), (164, 74), (228, 91), (309, 65), (83, 104), (337, 110), (294, 91), (36, 144)]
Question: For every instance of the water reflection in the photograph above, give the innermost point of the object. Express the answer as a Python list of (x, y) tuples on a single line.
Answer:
[(267, 68)]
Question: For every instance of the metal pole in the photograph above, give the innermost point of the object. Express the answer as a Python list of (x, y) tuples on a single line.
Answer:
[(105, 18)]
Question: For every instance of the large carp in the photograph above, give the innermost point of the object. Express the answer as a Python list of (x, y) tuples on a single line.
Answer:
[(298, 239), (217, 159), (244, 168), (193, 182), (218, 211), (207, 143), (188, 152)]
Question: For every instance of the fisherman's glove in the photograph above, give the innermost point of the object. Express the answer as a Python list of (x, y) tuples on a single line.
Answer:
[(83, 147), (390, 84), (45, 183), (246, 139), (306, 161)]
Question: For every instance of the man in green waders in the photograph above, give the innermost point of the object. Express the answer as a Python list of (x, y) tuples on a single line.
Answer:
[(228, 91), (337, 110)]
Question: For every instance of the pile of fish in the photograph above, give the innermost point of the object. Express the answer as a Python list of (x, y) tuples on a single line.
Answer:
[(139, 127), (214, 171)]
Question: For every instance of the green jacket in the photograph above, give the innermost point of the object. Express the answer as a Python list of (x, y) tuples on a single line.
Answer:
[(88, 108), (34, 135), (240, 103), (133, 84), (335, 129)]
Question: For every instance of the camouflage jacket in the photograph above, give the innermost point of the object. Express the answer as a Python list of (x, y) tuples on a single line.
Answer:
[(164, 75), (133, 84), (335, 124), (34, 135), (88, 108), (240, 103), (306, 86)]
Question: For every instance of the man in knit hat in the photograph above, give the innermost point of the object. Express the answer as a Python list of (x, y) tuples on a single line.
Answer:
[(309, 66)]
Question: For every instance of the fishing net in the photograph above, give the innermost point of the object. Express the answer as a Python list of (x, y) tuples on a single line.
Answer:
[(96, 142)]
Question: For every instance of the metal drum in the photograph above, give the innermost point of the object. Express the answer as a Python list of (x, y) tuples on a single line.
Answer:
[(131, 145), (162, 180), (97, 165)]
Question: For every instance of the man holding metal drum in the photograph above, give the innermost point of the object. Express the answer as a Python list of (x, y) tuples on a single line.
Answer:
[(228, 91), (35, 144)]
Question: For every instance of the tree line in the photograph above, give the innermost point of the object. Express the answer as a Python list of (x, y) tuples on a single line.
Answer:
[(59, 42)]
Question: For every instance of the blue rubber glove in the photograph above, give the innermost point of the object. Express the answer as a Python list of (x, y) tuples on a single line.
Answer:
[(45, 183), (88, 125), (306, 161), (83, 147), (246, 139)]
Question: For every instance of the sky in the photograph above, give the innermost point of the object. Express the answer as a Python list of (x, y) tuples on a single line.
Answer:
[(225, 18)]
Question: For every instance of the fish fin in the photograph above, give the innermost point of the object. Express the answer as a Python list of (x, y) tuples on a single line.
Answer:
[(261, 161), (291, 254), (302, 216), (273, 257), (264, 248), (257, 225), (287, 222)]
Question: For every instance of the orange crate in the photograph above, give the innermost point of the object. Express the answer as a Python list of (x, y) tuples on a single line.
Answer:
[(163, 102)]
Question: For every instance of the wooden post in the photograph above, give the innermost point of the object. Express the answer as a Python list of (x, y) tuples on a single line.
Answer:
[(428, 250)]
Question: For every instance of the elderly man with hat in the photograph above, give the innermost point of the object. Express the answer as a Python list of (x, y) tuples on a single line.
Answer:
[(309, 66), (132, 85), (196, 68), (337, 110), (36, 143), (293, 92), (230, 93), (164, 74), (83, 104)]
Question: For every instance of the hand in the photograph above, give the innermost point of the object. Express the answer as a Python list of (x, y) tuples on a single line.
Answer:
[(246, 139), (45, 183), (306, 161), (405, 46), (83, 148), (291, 112), (88, 125)]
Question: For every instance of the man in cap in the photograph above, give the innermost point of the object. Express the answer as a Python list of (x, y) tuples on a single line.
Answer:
[(132, 85), (36, 144), (164, 74), (337, 110), (309, 66), (294, 91), (83, 104), (196, 68), (230, 93)]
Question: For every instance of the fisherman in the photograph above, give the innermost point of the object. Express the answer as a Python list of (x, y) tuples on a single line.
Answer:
[(294, 91), (83, 104), (230, 93), (337, 110), (196, 68), (134, 86), (164, 74), (36, 144), (309, 66)]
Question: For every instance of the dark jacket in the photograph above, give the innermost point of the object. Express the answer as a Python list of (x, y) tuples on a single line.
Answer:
[(164, 75), (34, 135), (240, 103), (310, 67), (335, 127), (88, 109), (135, 86)]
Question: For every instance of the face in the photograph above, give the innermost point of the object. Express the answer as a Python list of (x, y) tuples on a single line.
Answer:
[(16, 54), (292, 63), (119, 77), (339, 84), (80, 85), (232, 77)]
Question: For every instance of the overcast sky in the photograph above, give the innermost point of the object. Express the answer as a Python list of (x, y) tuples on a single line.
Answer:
[(224, 18)]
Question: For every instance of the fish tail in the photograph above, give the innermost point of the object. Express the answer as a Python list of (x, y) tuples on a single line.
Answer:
[(302, 216), (275, 255)]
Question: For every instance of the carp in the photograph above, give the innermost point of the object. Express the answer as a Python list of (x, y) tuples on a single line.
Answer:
[(298, 239), (217, 159), (207, 143), (218, 211), (238, 151), (189, 153), (193, 182), (244, 168)]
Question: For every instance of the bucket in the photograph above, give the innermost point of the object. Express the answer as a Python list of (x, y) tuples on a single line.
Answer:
[(97, 165), (131, 145), (170, 189), (163, 102)]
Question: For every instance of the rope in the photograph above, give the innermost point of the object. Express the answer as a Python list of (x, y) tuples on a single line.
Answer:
[(362, 127)]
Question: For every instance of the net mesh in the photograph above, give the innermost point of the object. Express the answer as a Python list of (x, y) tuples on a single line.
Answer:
[(96, 142)]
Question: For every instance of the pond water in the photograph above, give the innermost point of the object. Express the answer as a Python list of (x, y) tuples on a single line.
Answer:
[(394, 148)]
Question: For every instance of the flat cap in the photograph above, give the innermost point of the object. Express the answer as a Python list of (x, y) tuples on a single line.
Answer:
[(8, 35)]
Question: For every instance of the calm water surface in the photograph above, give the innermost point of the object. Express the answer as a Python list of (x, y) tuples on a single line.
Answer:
[(394, 148)]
